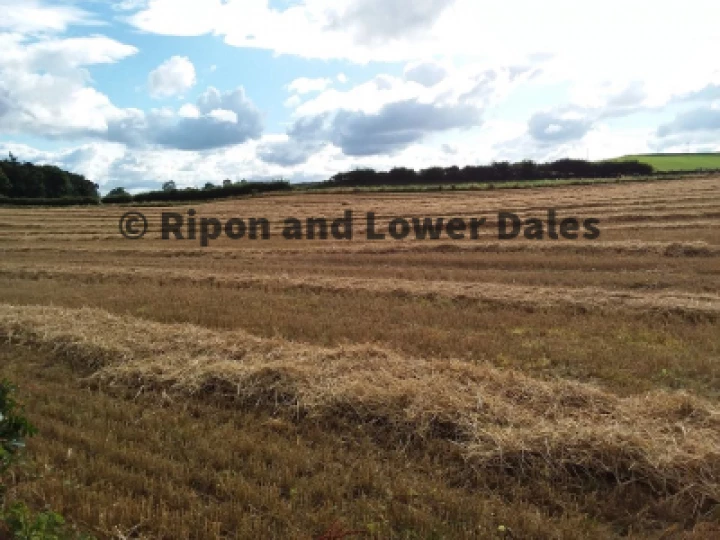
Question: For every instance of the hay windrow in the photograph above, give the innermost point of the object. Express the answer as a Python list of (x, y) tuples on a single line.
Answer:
[(627, 247), (587, 298), (504, 420)]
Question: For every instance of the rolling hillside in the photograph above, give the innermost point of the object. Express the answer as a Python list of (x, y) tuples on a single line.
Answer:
[(677, 162)]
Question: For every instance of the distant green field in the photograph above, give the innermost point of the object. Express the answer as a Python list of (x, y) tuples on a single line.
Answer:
[(677, 162)]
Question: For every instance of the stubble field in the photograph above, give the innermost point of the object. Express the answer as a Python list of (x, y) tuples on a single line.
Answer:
[(398, 389)]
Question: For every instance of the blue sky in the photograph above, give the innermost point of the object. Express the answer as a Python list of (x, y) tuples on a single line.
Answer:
[(138, 92)]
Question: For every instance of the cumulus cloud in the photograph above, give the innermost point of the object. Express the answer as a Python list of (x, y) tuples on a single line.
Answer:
[(559, 126), (633, 95), (707, 93), (216, 120), (170, 17), (293, 101), (573, 121), (470, 84), (45, 90), (386, 115), (64, 55), (32, 16), (173, 77), (304, 85), (224, 115), (701, 119), (360, 30), (383, 20), (288, 153), (394, 127), (45, 84), (5, 103), (399, 30), (188, 110), (600, 84), (425, 73), (129, 5)]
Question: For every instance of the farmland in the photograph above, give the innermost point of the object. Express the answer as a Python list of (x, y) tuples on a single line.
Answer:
[(476, 388), (677, 162)]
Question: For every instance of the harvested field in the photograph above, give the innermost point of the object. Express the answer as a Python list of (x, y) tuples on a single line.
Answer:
[(477, 388)]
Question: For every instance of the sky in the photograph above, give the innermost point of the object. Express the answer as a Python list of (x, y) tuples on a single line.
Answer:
[(138, 92)]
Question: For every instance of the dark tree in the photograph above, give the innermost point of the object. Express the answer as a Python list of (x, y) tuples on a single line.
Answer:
[(433, 175), (402, 175), (527, 170), (118, 192), (503, 171), (36, 183), (82, 187), (192, 194), (46, 181), (57, 183), (169, 186), (5, 185)]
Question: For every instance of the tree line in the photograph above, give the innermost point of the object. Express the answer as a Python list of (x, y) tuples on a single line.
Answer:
[(26, 181), (170, 192), (29, 184), (494, 173)]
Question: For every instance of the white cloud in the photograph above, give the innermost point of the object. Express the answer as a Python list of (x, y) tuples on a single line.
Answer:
[(129, 5), (293, 101), (173, 77), (45, 91), (32, 16), (559, 126), (387, 115), (425, 73), (378, 21), (187, 18), (605, 78), (304, 85), (218, 119), (189, 111), (398, 30), (471, 83), (45, 88), (223, 115), (693, 122), (62, 55)]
